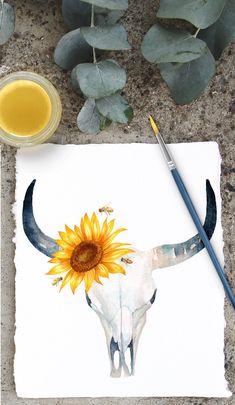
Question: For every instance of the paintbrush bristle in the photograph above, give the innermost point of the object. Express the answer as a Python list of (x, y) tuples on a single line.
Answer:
[(153, 125)]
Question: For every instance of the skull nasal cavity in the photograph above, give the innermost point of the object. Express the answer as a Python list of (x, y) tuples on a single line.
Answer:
[(86, 256)]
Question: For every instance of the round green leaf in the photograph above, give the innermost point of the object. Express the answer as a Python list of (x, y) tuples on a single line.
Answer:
[(110, 4), (101, 79), (76, 13), (218, 35), (108, 37), (201, 13), (88, 120), (71, 50), (75, 84), (116, 108), (162, 45), (186, 81), (7, 22)]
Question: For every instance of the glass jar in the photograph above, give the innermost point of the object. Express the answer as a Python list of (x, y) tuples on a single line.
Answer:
[(52, 124)]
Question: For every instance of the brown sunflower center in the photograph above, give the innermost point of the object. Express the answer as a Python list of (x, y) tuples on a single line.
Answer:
[(86, 256)]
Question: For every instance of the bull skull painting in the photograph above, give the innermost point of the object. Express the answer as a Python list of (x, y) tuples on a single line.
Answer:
[(121, 302)]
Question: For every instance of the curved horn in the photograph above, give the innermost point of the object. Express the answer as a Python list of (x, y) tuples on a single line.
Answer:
[(169, 255), (39, 240)]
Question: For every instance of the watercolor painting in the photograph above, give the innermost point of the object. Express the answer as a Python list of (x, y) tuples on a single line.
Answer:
[(89, 253)]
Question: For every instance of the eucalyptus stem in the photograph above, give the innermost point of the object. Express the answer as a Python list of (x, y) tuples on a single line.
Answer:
[(93, 25), (195, 35), (94, 56), (92, 16)]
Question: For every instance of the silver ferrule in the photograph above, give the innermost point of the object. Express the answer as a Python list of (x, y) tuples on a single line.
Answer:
[(166, 153)]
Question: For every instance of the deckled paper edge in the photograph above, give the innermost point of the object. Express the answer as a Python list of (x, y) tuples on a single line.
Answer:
[(219, 204), (14, 240)]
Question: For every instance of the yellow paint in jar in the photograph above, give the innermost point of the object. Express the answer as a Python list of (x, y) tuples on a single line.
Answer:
[(30, 109), (25, 108)]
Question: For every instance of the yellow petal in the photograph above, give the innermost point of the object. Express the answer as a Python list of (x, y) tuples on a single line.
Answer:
[(73, 237), (65, 237), (60, 268), (102, 270), (103, 229), (63, 244), (97, 276), (56, 260), (109, 229), (76, 280), (112, 236), (89, 277), (78, 232), (63, 254), (110, 257), (66, 279), (114, 268), (114, 246), (87, 227), (95, 226), (84, 227)]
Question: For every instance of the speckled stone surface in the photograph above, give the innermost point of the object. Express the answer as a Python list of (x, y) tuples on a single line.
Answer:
[(39, 26)]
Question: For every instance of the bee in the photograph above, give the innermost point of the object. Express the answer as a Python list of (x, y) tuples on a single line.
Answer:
[(57, 281), (126, 260), (106, 209)]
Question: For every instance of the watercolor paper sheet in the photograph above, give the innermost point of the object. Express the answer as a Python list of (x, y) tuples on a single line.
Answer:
[(156, 331)]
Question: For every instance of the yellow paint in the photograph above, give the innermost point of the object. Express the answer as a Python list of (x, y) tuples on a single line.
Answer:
[(25, 108), (153, 124)]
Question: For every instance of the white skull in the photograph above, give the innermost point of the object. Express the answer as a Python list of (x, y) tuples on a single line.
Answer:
[(121, 304)]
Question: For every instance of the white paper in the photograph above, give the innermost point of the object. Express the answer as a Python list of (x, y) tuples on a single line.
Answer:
[(60, 344)]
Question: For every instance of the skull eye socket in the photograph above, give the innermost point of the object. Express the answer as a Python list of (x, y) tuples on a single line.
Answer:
[(153, 297)]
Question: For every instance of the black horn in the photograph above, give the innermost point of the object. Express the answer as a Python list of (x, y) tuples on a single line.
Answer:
[(39, 240)]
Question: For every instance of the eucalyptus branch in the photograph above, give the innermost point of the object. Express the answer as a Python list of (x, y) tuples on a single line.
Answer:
[(99, 82), (183, 57), (93, 25)]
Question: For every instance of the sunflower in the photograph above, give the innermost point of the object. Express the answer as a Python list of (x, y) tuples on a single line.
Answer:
[(88, 253)]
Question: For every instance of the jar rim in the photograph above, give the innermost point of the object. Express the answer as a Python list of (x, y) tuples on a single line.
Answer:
[(56, 110)]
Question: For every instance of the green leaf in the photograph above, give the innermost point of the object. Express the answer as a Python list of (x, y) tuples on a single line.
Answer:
[(74, 81), (76, 13), (218, 35), (88, 120), (101, 79), (109, 37), (104, 122), (7, 22), (116, 108), (110, 4), (107, 17), (162, 45), (71, 50), (201, 13), (186, 81)]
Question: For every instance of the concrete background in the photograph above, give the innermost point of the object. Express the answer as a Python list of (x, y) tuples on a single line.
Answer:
[(39, 26)]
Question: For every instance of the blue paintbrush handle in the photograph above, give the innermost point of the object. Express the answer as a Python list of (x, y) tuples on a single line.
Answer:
[(202, 233)]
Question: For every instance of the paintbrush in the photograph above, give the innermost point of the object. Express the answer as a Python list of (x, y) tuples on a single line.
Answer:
[(188, 202)]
